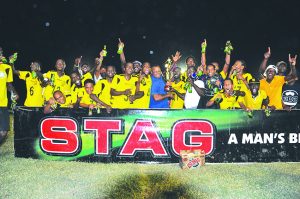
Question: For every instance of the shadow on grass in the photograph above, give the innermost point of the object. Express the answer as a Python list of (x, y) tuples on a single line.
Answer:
[(155, 185)]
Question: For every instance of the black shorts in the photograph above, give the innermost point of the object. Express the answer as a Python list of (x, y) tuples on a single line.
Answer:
[(4, 119)]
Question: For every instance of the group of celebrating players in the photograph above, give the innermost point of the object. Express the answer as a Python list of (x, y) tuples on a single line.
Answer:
[(141, 86)]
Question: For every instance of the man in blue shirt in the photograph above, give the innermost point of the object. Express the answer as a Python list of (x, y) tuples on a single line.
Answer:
[(159, 97)]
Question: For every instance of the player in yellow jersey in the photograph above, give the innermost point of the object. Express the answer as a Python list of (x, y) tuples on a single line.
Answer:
[(57, 80), (272, 83), (228, 98), (145, 87), (33, 79), (89, 102), (255, 98), (103, 87), (76, 88), (178, 91), (6, 79), (58, 100), (86, 74), (123, 90), (239, 77)]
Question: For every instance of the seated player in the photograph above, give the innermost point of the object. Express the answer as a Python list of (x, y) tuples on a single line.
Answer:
[(227, 98), (123, 89), (33, 79), (59, 100), (86, 100), (57, 80), (178, 91)]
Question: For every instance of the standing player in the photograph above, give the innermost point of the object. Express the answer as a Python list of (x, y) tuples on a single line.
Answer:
[(255, 98), (33, 79), (57, 80), (178, 91), (239, 77), (6, 79), (76, 88), (123, 90), (273, 83), (103, 87), (145, 87)]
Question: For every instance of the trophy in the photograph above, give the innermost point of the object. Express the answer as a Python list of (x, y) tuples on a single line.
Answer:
[(168, 64)]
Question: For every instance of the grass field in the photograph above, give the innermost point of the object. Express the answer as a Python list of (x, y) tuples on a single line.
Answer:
[(29, 178)]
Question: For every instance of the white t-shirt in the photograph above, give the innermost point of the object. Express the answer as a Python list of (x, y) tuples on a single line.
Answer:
[(97, 79), (192, 99)]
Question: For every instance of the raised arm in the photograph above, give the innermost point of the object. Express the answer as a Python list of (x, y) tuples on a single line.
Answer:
[(77, 62), (228, 49), (175, 59), (293, 74), (203, 57), (98, 62), (263, 64), (121, 46)]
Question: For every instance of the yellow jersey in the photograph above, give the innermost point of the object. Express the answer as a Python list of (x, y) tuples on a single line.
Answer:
[(273, 90), (223, 75), (85, 97), (145, 86), (102, 91), (68, 102), (120, 83), (239, 84), (184, 76), (177, 102), (86, 76), (34, 97), (62, 84), (256, 102), (231, 102), (75, 92), (6, 76)]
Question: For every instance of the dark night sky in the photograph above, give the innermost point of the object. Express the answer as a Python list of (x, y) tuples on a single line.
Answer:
[(82, 28)]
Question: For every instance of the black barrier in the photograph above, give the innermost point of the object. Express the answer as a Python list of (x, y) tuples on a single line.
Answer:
[(156, 135)]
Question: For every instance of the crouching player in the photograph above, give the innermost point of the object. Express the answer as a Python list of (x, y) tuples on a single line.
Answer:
[(59, 100), (89, 99), (228, 98)]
